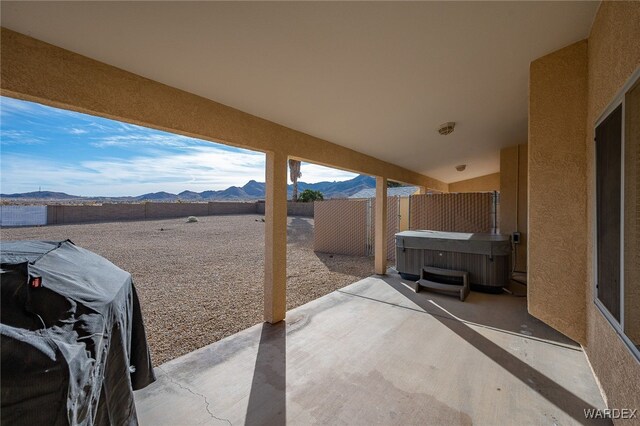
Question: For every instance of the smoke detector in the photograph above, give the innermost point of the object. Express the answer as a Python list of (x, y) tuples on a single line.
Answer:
[(446, 128), (461, 167)]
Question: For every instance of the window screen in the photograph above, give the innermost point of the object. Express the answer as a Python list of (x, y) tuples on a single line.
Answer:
[(608, 170)]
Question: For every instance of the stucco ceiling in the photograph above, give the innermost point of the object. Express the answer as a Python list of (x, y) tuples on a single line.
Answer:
[(376, 77)]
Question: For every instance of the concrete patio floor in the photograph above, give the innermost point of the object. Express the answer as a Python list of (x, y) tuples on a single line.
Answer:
[(375, 352)]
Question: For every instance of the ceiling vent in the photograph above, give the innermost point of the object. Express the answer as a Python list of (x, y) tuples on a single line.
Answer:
[(446, 128)]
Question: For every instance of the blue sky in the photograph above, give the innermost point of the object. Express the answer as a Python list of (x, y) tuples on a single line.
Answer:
[(80, 154)]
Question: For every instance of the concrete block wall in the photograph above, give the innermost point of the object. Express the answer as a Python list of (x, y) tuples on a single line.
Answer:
[(117, 212), (67, 214), (168, 210)]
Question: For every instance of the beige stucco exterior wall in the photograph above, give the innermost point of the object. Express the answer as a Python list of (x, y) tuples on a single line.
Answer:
[(513, 199), (614, 54), (275, 238), (484, 183), (632, 215), (569, 90), (404, 213), (40, 72), (558, 190), (380, 219)]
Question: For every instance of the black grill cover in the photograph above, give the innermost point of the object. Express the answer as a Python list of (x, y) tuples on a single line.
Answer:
[(73, 343)]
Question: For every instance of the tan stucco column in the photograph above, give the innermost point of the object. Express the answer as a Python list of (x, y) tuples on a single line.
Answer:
[(275, 238), (381, 226)]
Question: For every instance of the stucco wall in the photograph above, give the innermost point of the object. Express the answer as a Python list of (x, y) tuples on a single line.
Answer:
[(404, 213), (40, 72), (614, 54), (558, 190), (513, 199), (480, 184), (569, 90), (632, 215)]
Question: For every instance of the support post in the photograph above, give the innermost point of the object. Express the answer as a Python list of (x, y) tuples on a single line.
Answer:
[(275, 238), (381, 226)]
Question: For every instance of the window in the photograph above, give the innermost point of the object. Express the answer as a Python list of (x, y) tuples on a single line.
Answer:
[(617, 189)]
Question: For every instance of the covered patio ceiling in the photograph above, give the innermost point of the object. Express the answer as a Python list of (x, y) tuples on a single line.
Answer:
[(378, 78)]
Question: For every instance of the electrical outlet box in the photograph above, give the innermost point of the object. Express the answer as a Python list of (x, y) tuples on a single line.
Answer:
[(515, 237)]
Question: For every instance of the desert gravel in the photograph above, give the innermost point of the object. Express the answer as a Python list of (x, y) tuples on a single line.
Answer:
[(200, 282)]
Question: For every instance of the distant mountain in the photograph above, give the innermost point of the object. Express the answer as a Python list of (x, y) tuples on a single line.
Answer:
[(158, 196), (42, 195), (189, 195), (232, 193), (252, 190), (340, 189)]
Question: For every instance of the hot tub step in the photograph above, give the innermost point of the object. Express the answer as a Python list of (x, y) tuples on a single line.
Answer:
[(461, 289)]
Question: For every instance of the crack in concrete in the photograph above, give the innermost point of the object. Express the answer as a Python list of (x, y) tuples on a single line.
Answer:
[(206, 401)]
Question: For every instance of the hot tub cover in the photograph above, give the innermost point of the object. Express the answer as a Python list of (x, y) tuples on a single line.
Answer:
[(460, 242), (73, 342)]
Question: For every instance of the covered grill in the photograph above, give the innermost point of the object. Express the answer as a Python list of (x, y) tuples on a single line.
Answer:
[(73, 342)]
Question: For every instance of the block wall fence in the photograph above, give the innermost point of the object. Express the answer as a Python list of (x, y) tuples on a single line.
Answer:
[(60, 214)]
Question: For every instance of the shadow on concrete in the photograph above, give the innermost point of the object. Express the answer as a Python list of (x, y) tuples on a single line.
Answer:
[(300, 231), (268, 398), (500, 311), (543, 385)]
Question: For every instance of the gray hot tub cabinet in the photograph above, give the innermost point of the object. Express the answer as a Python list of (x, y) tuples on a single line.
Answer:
[(486, 257)]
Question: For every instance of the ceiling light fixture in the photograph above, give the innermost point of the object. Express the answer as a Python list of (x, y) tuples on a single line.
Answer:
[(446, 128), (461, 167)]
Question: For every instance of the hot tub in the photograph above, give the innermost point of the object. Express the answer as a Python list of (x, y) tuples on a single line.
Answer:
[(486, 257)]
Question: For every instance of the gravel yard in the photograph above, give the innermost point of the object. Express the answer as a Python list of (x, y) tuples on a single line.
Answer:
[(200, 282)]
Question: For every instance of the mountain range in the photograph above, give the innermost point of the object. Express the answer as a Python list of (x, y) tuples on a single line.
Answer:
[(252, 190)]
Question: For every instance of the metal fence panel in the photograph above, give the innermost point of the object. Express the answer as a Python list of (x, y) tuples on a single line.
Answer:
[(23, 215), (393, 226), (348, 226), (341, 227), (461, 212)]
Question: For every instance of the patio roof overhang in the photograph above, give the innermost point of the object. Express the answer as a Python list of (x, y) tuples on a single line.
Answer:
[(377, 78), (358, 88)]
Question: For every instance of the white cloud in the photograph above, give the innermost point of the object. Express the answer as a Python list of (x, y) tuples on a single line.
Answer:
[(19, 137), (14, 106), (11, 106), (159, 161), (312, 173), (197, 170), (77, 131), (138, 139)]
